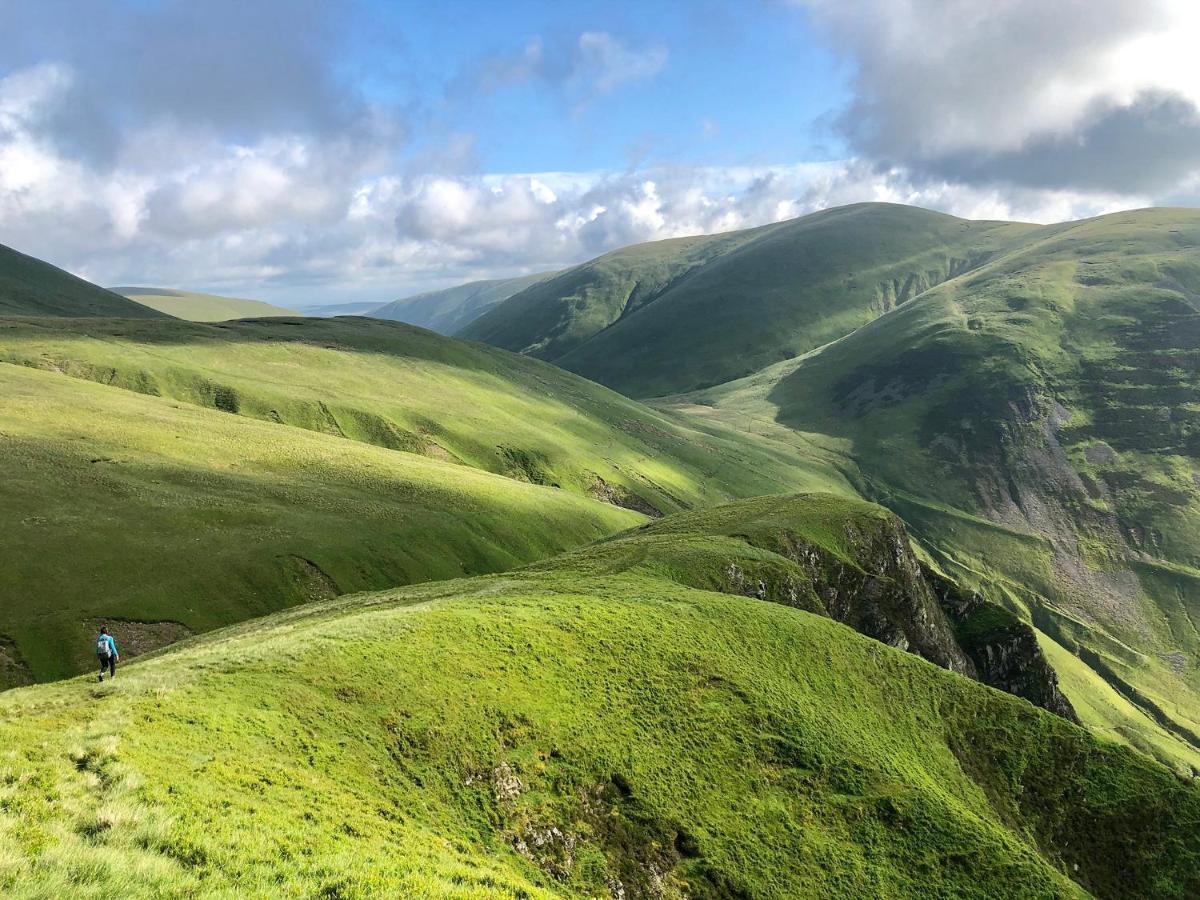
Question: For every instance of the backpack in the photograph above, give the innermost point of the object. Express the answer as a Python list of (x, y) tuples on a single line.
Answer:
[(103, 648)]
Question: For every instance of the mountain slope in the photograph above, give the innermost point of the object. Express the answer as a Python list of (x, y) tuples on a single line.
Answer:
[(201, 307), (1034, 422), (149, 452), (555, 734), (176, 519), (452, 309), (30, 287), (403, 388), (679, 315)]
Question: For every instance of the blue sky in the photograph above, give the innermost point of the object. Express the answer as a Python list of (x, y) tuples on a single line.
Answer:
[(307, 151), (737, 83)]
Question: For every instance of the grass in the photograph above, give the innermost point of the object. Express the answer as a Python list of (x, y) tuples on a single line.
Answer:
[(201, 474), (407, 389), (118, 505), (551, 733), (201, 307)]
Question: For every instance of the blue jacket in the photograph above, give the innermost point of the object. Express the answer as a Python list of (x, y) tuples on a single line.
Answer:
[(112, 646)]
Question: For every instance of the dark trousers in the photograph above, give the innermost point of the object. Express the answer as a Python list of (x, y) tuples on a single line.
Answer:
[(111, 665)]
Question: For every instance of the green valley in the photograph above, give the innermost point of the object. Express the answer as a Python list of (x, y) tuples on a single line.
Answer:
[(200, 474), (118, 506)]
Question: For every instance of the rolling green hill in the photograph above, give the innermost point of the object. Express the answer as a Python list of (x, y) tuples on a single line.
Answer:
[(452, 309), (201, 307), (30, 287), (566, 732), (683, 314), (155, 452), (643, 706), (1034, 422), (327, 310), (178, 519), (407, 389)]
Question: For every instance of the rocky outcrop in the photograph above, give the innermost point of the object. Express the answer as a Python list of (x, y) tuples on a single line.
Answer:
[(14, 671), (1004, 649), (883, 593), (886, 593)]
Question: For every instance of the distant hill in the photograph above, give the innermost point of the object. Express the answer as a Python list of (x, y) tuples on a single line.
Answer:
[(201, 307), (328, 310), (682, 314), (448, 311), (30, 287), (1024, 396)]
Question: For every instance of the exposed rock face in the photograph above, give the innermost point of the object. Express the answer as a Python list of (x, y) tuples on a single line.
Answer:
[(1004, 649), (135, 638), (13, 669), (887, 594), (884, 596), (1025, 480)]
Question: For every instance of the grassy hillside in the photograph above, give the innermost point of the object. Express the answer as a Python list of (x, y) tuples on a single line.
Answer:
[(201, 307), (1034, 421), (30, 287), (684, 314), (555, 734), (116, 505), (449, 310), (152, 452), (407, 389)]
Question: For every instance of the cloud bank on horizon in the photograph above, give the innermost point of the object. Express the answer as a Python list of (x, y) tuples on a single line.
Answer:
[(351, 155)]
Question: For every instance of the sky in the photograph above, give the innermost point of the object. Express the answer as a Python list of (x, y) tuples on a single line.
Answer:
[(324, 151)]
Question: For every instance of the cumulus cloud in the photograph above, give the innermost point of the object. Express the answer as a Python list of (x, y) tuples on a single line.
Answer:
[(227, 67), (551, 219), (1073, 95)]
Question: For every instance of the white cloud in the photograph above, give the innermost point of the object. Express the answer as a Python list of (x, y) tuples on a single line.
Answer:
[(294, 217), (594, 64), (1098, 94)]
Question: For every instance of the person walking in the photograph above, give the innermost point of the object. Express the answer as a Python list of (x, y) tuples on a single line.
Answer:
[(106, 652)]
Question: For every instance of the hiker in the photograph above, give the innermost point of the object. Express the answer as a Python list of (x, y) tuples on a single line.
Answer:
[(106, 652)]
